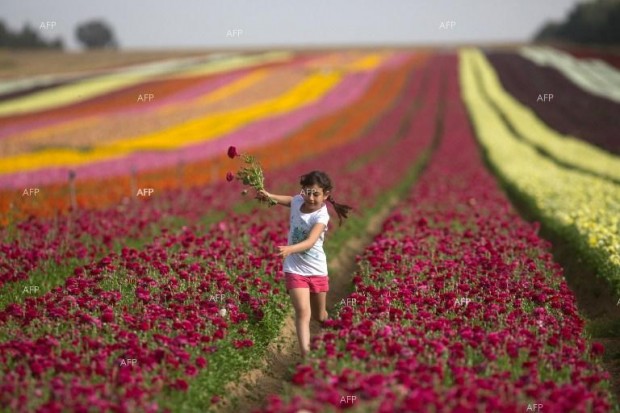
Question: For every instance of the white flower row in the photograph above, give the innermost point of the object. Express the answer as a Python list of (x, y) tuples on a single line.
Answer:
[(16, 85), (592, 75)]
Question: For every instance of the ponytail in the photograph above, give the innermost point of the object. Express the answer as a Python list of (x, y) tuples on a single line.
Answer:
[(341, 209)]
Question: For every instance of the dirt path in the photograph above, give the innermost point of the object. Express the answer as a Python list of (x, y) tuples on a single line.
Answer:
[(283, 353)]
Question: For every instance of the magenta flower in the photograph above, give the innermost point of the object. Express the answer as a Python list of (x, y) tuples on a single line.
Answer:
[(230, 176), (597, 349), (107, 316), (232, 152)]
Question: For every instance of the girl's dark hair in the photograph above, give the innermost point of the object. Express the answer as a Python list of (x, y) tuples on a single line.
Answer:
[(321, 179)]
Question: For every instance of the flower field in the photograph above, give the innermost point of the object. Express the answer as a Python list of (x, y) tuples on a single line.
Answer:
[(116, 301), (457, 307), (566, 150), (579, 204), (107, 294)]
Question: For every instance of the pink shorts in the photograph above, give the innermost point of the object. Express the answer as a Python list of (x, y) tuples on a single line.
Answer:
[(316, 283)]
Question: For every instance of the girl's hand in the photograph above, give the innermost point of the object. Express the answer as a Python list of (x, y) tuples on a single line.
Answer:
[(263, 195), (285, 251)]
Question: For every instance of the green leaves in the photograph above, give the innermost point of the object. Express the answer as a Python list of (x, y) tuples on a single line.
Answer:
[(252, 175)]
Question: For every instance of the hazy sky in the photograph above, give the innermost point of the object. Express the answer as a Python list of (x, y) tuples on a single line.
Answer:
[(140, 24)]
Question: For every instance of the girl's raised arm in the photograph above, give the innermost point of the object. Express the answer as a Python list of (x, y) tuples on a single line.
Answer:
[(284, 200)]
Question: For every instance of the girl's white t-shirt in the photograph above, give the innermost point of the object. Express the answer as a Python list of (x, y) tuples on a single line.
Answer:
[(312, 261)]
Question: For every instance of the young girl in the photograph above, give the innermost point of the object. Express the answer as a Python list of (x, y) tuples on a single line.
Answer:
[(305, 263)]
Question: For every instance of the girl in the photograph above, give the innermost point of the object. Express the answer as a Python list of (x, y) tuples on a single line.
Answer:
[(305, 263)]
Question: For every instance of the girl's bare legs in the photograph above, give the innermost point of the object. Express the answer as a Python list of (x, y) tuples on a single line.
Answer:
[(301, 303), (317, 304)]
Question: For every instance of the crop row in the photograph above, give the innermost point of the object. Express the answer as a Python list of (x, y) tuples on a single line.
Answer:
[(303, 92), (581, 208), (115, 80), (189, 166), (206, 113), (570, 110), (458, 306), (589, 53), (527, 126)]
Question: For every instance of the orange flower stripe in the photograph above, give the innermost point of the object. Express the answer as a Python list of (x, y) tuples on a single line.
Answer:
[(318, 136)]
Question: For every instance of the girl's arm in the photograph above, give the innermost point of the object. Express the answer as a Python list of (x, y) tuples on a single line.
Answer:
[(314, 235), (280, 199)]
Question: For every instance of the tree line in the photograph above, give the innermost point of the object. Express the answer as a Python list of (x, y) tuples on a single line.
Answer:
[(595, 22), (94, 34)]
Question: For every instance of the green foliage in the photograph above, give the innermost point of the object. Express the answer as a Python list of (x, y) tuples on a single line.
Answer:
[(252, 175), (28, 38), (596, 22)]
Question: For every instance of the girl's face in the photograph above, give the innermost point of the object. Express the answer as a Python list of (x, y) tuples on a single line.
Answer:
[(314, 197)]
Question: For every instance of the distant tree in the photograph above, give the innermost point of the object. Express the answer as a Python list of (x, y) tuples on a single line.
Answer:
[(4, 35), (28, 38), (96, 34), (595, 22), (548, 32)]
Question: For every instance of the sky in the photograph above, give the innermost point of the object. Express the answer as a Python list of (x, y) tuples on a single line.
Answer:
[(197, 24)]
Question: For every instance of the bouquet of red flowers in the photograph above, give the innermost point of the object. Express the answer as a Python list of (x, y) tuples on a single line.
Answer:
[(250, 175)]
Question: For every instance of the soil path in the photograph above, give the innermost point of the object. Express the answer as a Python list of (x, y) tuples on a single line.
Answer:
[(251, 390)]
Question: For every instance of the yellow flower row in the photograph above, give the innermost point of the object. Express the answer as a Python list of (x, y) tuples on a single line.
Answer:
[(581, 207), (564, 148), (211, 126), (224, 92)]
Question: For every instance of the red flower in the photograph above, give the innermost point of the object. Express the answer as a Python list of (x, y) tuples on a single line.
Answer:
[(180, 384), (303, 375), (232, 152), (107, 316), (597, 349), (230, 176), (191, 370), (201, 362)]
